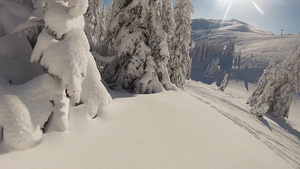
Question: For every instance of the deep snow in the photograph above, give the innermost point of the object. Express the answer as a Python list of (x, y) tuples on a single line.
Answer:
[(166, 130), (280, 135)]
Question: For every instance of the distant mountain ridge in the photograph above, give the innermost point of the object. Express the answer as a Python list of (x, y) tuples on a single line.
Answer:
[(233, 25), (257, 46)]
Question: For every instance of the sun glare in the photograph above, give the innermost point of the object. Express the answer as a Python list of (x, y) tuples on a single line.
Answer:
[(257, 7), (230, 2)]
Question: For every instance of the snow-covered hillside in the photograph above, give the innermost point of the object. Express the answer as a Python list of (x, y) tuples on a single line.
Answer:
[(167, 130), (258, 47)]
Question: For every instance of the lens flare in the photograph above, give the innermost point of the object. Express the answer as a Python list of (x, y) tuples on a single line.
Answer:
[(258, 8), (226, 13)]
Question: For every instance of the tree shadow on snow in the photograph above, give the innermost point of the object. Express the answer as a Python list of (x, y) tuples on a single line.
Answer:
[(283, 124), (265, 122), (120, 94)]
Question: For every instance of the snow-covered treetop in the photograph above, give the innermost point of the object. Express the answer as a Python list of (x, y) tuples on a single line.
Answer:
[(60, 18), (78, 7)]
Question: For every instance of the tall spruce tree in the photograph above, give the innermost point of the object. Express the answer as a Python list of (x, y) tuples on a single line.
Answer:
[(180, 62), (139, 45)]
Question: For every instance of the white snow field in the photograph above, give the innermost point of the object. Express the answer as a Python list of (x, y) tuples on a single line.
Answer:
[(280, 135), (200, 127)]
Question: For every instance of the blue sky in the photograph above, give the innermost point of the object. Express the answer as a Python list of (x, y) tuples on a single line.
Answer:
[(268, 15)]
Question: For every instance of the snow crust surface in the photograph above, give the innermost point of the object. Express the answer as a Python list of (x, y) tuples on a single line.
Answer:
[(149, 131), (280, 135), (25, 108)]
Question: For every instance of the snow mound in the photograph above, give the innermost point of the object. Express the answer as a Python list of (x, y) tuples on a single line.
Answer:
[(11, 14), (19, 132), (25, 108), (9, 44), (94, 94), (15, 66)]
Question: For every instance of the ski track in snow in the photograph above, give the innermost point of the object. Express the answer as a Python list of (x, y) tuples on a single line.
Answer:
[(283, 143)]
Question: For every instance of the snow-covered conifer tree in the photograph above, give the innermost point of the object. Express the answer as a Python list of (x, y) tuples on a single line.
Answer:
[(93, 26), (224, 83), (206, 49), (63, 49), (239, 59), (276, 88), (230, 48), (213, 68), (112, 28), (140, 47), (180, 62), (257, 100), (166, 13), (106, 16), (268, 73)]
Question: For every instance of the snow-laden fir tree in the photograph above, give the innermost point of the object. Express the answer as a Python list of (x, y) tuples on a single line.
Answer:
[(180, 62), (290, 78), (276, 88), (139, 44), (63, 50), (224, 83), (93, 24), (166, 13), (111, 26), (237, 59), (103, 52), (213, 68), (107, 14), (230, 48), (268, 74)]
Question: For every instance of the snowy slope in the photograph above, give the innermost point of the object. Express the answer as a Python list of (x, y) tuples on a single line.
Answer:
[(165, 130), (258, 47), (280, 135)]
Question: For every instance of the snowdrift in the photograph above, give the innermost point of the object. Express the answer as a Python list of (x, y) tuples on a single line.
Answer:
[(166, 130)]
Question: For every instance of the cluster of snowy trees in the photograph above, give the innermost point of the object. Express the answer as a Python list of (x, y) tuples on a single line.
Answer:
[(217, 57), (276, 88), (206, 49), (142, 45), (148, 42), (237, 60)]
